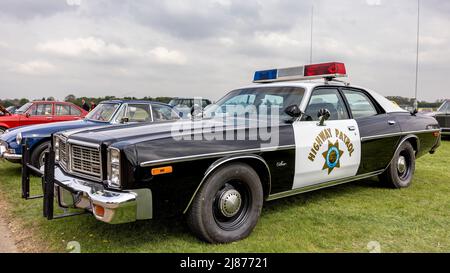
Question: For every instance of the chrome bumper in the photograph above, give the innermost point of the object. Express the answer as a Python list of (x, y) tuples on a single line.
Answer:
[(116, 207), (12, 157)]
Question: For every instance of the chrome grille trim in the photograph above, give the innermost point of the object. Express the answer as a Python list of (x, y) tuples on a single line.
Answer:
[(86, 161)]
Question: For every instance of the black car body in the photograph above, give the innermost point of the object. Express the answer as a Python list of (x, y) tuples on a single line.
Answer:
[(325, 133), (443, 117)]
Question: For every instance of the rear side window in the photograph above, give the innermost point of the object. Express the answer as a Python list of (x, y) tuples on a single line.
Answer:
[(360, 104), (74, 111), (62, 110)]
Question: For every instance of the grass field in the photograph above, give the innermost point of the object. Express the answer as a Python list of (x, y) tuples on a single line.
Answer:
[(340, 219)]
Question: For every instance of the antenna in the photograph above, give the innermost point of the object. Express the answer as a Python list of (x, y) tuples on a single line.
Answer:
[(416, 103), (312, 25)]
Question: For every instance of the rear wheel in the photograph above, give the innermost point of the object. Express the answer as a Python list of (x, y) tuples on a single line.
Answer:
[(37, 156), (400, 172), (228, 205)]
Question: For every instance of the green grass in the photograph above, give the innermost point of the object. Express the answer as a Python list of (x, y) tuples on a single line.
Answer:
[(340, 219)]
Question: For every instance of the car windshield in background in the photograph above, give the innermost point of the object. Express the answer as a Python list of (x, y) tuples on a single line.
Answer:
[(24, 108), (103, 112), (444, 107), (261, 100)]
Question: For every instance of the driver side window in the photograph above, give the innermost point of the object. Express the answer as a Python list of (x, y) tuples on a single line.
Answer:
[(329, 99)]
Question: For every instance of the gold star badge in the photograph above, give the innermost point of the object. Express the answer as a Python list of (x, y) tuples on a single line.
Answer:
[(332, 157)]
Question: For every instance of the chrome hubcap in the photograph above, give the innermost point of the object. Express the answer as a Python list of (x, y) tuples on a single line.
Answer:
[(401, 165), (230, 203)]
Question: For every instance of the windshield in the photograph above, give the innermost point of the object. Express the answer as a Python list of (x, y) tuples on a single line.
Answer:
[(444, 107), (256, 101), (24, 108), (103, 112)]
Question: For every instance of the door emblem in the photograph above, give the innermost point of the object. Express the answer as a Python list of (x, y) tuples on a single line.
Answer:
[(332, 157), (333, 153)]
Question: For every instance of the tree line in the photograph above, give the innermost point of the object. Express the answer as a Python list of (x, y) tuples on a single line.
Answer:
[(77, 100)]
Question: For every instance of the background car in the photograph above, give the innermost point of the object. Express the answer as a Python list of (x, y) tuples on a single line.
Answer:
[(183, 105), (107, 113), (38, 112), (443, 117)]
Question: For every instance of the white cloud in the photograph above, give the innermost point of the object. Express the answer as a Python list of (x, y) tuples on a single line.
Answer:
[(34, 68), (166, 56), (89, 45), (373, 2)]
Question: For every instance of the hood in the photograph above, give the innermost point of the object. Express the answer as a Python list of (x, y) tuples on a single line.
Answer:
[(135, 133), (45, 130)]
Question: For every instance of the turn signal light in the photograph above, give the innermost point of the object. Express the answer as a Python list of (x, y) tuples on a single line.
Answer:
[(436, 134), (99, 211), (162, 170)]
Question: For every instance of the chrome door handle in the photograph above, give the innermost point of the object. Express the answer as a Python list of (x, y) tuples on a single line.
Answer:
[(351, 128), (391, 122)]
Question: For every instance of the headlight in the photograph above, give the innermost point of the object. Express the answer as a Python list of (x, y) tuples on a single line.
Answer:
[(19, 138), (56, 148), (114, 168)]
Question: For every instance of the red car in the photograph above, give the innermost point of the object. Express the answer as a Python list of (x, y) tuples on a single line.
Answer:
[(38, 112)]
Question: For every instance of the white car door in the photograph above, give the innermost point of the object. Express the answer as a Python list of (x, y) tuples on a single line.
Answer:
[(327, 152)]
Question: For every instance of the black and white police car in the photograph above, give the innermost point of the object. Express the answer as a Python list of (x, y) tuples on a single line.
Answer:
[(321, 132)]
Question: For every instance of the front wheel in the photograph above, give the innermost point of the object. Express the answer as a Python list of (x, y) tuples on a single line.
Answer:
[(228, 205), (400, 172), (38, 154)]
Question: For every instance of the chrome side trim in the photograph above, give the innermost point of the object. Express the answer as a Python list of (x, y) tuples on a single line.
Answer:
[(322, 185), (83, 143), (211, 155), (220, 162), (398, 134)]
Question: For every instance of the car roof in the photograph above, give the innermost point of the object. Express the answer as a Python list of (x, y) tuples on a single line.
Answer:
[(309, 85), (134, 101)]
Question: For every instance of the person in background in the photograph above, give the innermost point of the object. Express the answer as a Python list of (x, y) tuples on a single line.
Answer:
[(93, 105), (84, 105)]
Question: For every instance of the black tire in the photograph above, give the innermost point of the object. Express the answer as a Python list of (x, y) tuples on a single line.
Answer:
[(37, 156), (399, 175), (214, 215), (2, 130)]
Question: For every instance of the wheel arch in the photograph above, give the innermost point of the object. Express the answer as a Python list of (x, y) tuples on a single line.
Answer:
[(4, 125), (254, 161), (413, 139)]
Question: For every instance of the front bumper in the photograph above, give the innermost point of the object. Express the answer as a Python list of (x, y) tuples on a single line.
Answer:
[(6, 154), (113, 207)]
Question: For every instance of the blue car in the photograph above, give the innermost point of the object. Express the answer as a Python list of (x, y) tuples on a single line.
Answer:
[(107, 113)]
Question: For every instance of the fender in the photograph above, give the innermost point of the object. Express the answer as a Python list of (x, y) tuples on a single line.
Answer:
[(4, 125), (222, 161)]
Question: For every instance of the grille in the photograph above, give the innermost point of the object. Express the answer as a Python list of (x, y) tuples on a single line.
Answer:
[(86, 160)]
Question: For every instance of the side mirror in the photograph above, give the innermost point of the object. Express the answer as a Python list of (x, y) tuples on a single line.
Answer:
[(124, 120), (27, 115), (293, 111), (323, 115)]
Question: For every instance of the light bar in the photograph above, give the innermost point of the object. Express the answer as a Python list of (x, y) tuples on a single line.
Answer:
[(307, 72)]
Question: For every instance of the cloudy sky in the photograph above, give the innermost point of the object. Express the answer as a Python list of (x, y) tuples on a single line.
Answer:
[(208, 47)]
